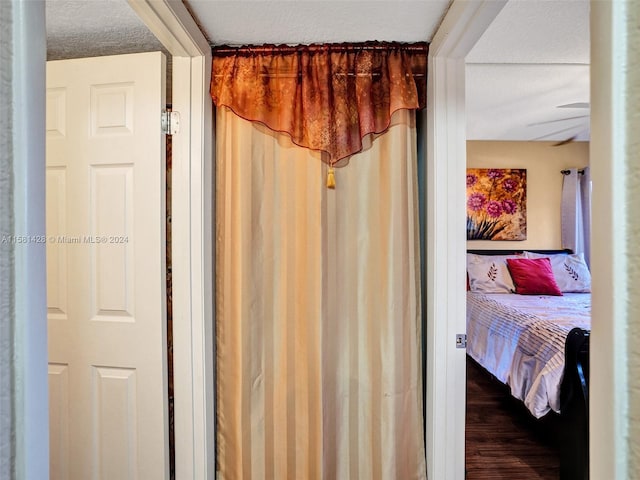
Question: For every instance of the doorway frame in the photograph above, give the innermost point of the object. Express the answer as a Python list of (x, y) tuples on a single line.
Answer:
[(192, 210), (194, 394), (445, 385), (461, 28)]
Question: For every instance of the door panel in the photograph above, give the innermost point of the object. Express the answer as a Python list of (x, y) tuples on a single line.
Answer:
[(106, 268)]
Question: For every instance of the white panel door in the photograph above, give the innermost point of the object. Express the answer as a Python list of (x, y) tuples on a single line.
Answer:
[(106, 268)]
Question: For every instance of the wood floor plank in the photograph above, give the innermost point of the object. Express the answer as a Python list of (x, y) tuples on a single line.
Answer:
[(503, 441)]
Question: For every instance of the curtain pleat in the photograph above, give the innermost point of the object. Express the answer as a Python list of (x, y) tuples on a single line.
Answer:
[(576, 212), (585, 201), (318, 328), (373, 402), (268, 305)]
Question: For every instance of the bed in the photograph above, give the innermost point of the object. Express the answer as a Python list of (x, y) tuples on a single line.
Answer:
[(528, 324)]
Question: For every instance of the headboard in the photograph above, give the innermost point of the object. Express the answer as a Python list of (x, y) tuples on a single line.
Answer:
[(515, 252)]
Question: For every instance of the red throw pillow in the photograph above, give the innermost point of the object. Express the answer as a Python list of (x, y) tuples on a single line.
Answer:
[(533, 276)]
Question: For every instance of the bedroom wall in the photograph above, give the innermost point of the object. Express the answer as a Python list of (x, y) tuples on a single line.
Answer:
[(544, 184)]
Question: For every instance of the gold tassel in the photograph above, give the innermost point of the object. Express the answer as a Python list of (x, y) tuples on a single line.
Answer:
[(331, 179)]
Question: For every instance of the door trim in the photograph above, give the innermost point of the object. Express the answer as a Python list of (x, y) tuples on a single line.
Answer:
[(193, 256), (31, 349), (445, 384), (611, 153), (192, 235)]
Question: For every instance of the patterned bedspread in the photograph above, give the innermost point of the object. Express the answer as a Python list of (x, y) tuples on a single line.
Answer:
[(520, 339)]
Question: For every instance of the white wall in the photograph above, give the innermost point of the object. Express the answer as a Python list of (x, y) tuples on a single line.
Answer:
[(7, 254), (29, 362), (544, 184)]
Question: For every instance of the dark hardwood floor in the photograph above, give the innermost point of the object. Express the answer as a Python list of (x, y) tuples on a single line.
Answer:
[(503, 441)]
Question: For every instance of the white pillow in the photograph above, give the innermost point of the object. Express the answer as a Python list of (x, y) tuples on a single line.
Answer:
[(489, 273), (571, 271)]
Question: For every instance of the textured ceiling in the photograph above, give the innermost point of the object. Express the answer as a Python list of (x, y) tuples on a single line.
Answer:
[(536, 31), (520, 102), (93, 28), (294, 22), (532, 59)]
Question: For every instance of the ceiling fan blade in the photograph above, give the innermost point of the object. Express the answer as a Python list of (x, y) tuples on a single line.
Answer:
[(564, 142), (557, 120), (575, 105), (573, 128), (572, 138)]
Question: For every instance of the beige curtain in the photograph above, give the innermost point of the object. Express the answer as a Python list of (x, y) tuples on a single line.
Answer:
[(318, 326)]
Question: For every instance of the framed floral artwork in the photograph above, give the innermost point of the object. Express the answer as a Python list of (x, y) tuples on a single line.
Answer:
[(496, 204)]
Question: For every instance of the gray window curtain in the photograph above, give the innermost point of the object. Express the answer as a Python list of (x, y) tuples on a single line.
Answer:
[(576, 211)]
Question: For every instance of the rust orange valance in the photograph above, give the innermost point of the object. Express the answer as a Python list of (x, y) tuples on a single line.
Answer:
[(326, 97)]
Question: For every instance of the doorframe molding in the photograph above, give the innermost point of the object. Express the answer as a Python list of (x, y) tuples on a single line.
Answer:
[(192, 235), (195, 391), (192, 204), (192, 252), (463, 25), (612, 351)]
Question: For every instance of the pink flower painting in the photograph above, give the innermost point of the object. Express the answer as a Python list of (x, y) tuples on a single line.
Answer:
[(496, 204)]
